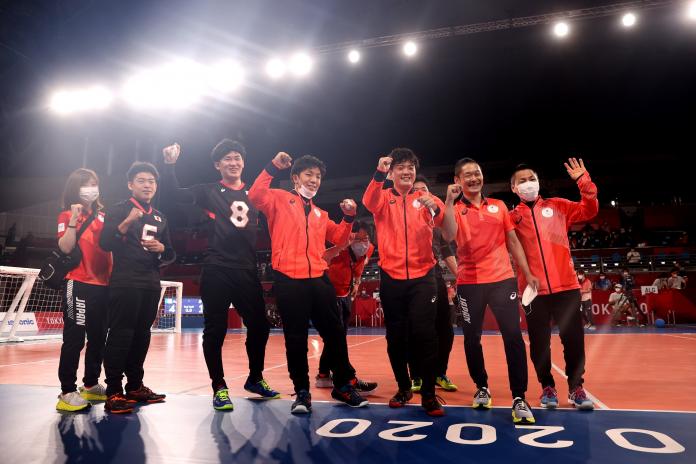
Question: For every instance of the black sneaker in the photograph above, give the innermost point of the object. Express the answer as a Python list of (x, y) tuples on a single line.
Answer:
[(145, 395), (302, 404), (363, 386), (433, 405), (349, 395), (400, 399), (118, 404)]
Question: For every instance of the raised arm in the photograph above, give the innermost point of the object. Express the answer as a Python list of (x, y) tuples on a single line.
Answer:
[(373, 198), (169, 181), (338, 234), (260, 192), (588, 206)]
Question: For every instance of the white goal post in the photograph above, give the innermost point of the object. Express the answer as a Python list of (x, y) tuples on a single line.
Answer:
[(29, 310)]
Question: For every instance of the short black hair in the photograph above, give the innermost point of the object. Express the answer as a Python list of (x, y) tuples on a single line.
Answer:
[(142, 166), (226, 146), (522, 167), (403, 155), (461, 163), (307, 162), (420, 178), (581, 271), (361, 224)]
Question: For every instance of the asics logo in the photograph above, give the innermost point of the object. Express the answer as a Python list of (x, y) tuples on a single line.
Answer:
[(513, 295), (433, 299)]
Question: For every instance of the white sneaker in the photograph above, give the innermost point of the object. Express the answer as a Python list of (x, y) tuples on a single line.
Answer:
[(72, 402), (94, 393)]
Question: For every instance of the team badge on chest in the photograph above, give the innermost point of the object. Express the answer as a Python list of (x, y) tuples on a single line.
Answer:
[(317, 213), (547, 212), (493, 209)]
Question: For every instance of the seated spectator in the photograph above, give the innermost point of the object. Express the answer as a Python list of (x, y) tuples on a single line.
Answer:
[(661, 282), (603, 283), (676, 281), (633, 257)]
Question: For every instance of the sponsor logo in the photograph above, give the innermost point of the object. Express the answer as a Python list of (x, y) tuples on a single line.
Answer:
[(27, 323), (433, 299), (493, 209), (463, 309), (464, 211), (157, 218), (223, 189), (547, 212), (513, 295), (292, 201), (392, 201), (101, 217)]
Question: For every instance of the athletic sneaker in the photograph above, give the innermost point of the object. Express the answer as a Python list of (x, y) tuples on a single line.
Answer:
[(521, 412), (445, 383), (145, 395), (549, 398), (262, 389), (349, 395), (72, 402), (578, 398), (482, 399), (416, 385), (364, 387), (94, 393), (400, 399), (323, 381), (302, 404), (222, 401), (118, 404), (433, 405)]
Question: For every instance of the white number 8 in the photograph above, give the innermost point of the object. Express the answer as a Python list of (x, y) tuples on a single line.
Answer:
[(239, 215)]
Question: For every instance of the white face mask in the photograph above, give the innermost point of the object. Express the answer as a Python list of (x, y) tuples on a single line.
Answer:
[(305, 192), (89, 194), (359, 248), (529, 190), (581, 277)]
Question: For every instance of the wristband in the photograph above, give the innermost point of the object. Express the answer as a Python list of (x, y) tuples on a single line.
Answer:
[(72, 227)]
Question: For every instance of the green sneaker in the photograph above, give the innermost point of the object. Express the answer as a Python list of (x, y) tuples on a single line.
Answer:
[(222, 401), (94, 393), (416, 385), (445, 383)]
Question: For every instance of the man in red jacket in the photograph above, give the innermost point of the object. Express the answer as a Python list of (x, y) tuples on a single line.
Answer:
[(299, 231), (404, 220), (542, 227)]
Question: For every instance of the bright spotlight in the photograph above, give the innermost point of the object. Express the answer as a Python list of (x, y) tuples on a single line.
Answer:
[(300, 64), (629, 20), (93, 98), (410, 48), (354, 56), (691, 11), (275, 68), (561, 29), (175, 85), (225, 76)]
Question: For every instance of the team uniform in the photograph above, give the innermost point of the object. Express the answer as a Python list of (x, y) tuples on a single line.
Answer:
[(542, 228), (408, 289), (299, 231), (229, 275), (443, 320), (485, 278), (84, 309), (134, 295), (344, 271)]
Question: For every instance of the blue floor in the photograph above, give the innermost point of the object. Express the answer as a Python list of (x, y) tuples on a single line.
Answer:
[(186, 429)]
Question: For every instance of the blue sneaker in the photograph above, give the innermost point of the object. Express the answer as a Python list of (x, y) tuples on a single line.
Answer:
[(578, 398), (349, 395), (549, 398), (222, 401), (302, 404), (262, 389)]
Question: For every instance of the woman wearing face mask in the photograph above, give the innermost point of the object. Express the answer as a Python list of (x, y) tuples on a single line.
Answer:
[(542, 227), (84, 295), (586, 299)]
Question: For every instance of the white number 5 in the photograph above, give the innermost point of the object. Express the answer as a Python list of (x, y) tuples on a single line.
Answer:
[(239, 215)]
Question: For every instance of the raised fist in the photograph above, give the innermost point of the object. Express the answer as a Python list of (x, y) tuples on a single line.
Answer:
[(76, 210), (384, 163), (171, 153), (349, 207), (282, 160), (453, 191)]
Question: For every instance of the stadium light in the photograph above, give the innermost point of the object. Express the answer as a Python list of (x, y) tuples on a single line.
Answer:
[(353, 56), (175, 85), (72, 101), (225, 76), (561, 29), (691, 11), (300, 64), (275, 68), (410, 48), (629, 20)]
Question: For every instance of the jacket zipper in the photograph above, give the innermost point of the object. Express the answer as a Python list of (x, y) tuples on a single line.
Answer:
[(543, 260), (309, 264), (406, 236)]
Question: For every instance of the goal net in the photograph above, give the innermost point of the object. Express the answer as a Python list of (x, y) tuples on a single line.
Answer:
[(30, 310)]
